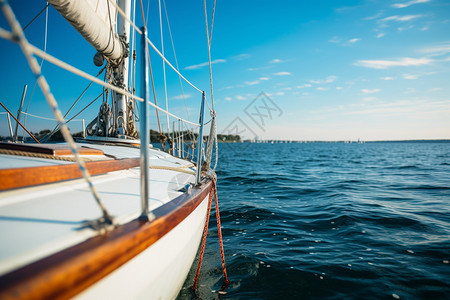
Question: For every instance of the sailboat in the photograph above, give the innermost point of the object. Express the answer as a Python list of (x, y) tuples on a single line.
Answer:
[(108, 216)]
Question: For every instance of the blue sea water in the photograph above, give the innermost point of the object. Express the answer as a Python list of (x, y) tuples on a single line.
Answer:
[(330, 221)]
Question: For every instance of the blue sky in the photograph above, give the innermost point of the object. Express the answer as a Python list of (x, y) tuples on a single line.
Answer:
[(334, 70)]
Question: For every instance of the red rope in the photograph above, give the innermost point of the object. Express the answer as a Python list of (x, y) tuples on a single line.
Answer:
[(205, 232), (219, 229)]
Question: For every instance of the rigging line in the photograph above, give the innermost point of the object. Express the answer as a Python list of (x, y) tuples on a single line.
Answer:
[(152, 45), (209, 50), (42, 61), (164, 64), (176, 60), (151, 73), (29, 23), (79, 97), (18, 122), (11, 37), (111, 35), (34, 66), (212, 22), (84, 108), (132, 78), (43, 118)]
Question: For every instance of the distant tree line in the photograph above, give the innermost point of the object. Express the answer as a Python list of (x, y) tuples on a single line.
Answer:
[(155, 136)]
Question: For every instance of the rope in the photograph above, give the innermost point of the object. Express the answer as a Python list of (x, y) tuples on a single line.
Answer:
[(34, 66), (29, 23), (153, 46), (151, 72), (72, 119), (177, 169), (219, 229), (208, 37), (40, 155), (18, 122), (81, 95), (42, 61), (164, 65), (205, 232), (10, 36), (176, 60)]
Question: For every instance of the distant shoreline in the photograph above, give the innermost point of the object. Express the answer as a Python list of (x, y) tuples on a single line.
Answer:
[(350, 142)]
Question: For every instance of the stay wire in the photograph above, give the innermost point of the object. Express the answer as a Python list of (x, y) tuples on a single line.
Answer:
[(164, 64), (151, 73), (42, 61), (39, 13), (176, 61)]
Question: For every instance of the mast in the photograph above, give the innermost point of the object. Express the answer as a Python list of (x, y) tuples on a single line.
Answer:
[(95, 20), (122, 114)]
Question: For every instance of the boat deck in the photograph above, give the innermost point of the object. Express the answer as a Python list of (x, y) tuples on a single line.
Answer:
[(39, 220)]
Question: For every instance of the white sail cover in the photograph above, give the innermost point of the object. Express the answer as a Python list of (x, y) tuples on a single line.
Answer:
[(95, 20)]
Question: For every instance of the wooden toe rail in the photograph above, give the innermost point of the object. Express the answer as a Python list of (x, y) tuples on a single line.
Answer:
[(49, 149), (25, 177)]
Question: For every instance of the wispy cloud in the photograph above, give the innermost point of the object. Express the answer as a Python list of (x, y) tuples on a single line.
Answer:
[(404, 18), (240, 97), (282, 73), (181, 97), (321, 88), (241, 56), (380, 35), (276, 61), (254, 82), (409, 3), (374, 17), (228, 98), (199, 66), (343, 41), (410, 76), (264, 78), (387, 78), (335, 40), (401, 62), (367, 91), (437, 50), (354, 40), (329, 79), (307, 85), (404, 107)]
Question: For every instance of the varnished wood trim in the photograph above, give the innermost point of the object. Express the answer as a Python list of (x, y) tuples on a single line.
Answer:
[(24, 177), (67, 273), (50, 149)]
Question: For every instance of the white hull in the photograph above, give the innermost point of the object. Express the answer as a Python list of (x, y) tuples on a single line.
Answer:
[(160, 271), (40, 224)]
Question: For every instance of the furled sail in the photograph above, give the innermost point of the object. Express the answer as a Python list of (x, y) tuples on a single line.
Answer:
[(95, 20)]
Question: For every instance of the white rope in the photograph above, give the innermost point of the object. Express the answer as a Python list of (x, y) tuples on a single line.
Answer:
[(131, 78), (152, 45), (164, 64), (176, 61), (78, 72), (44, 118), (209, 48), (10, 36), (34, 66), (85, 75)]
